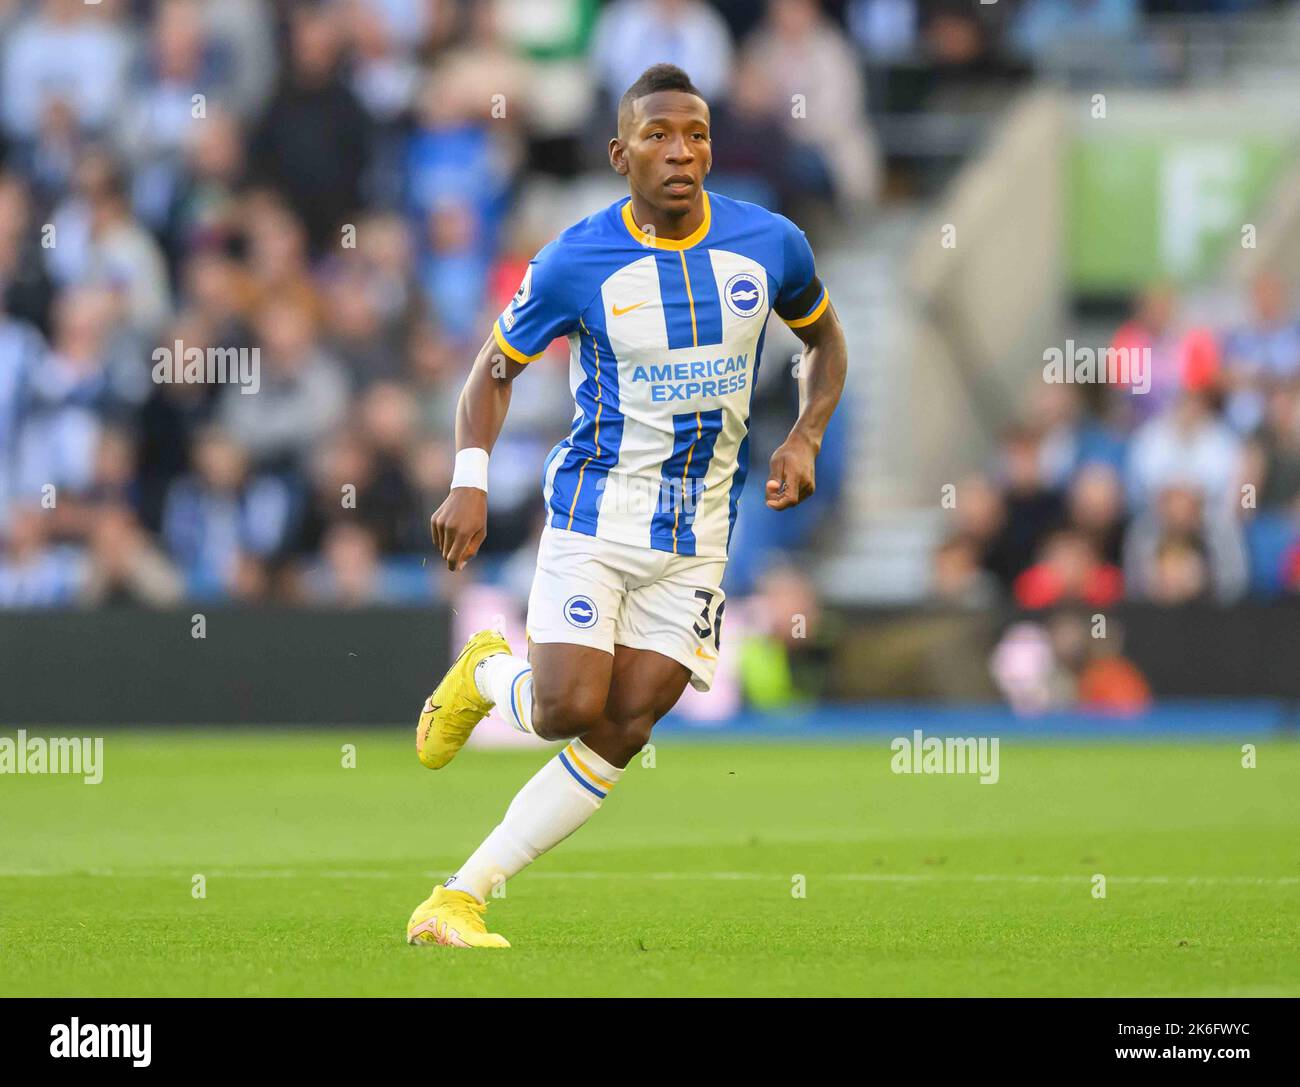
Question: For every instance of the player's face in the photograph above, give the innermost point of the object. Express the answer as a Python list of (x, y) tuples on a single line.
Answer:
[(664, 150)]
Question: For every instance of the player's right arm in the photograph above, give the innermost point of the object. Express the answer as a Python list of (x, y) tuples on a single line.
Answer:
[(459, 525), (542, 309)]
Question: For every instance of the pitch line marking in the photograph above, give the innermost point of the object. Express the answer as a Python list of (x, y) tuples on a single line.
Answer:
[(757, 877)]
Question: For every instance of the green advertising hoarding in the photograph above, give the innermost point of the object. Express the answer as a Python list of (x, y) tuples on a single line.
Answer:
[(1151, 206)]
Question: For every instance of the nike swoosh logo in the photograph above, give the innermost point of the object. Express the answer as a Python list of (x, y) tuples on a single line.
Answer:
[(707, 656), (626, 309)]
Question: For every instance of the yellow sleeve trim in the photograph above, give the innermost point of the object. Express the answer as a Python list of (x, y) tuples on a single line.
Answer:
[(512, 352), (818, 310)]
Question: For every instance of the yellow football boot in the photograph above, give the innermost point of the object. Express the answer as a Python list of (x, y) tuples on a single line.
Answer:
[(455, 707), (451, 919)]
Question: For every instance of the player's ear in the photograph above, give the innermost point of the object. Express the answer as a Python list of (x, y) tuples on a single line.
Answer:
[(618, 156)]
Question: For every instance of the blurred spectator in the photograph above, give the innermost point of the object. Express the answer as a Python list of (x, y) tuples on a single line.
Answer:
[(1272, 519), (204, 210), (355, 330), (436, 374), (1181, 530), (25, 288), (888, 30), (303, 392), (785, 646), (1188, 444), (278, 266), (1110, 683), (179, 80), (1069, 571), (218, 292), (384, 259), (553, 37), (69, 392), (481, 76), (21, 351), (632, 34), (221, 517), (50, 158), (1260, 354), (385, 74), (1291, 569), (1178, 572), (814, 92), (92, 240), (1025, 670), (413, 24), (314, 139), (34, 573), (350, 573), (1150, 335), (124, 565), (755, 161), (112, 488), (1044, 25), (170, 419), (458, 166), (954, 34), (1060, 664), (388, 421), (342, 475), (244, 33), (1095, 509), (1068, 437), (366, 475), (121, 255), (1104, 681), (1032, 508), (68, 50), (1274, 455), (981, 516), (956, 576)]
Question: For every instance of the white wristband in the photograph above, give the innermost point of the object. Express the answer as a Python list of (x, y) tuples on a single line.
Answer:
[(471, 469)]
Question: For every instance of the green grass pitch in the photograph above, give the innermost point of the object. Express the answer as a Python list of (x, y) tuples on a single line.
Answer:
[(682, 884)]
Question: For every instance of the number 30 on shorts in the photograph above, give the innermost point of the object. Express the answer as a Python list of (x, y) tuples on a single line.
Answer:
[(704, 626)]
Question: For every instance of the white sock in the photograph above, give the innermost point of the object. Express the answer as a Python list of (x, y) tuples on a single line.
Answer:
[(559, 798), (508, 682)]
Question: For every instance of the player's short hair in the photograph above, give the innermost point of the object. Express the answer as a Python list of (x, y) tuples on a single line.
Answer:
[(658, 77)]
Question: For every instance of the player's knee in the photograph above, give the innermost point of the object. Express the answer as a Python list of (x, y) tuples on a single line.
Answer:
[(631, 737), (561, 715)]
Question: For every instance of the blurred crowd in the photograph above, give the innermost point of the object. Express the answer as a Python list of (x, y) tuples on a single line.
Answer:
[(353, 188), (1189, 491)]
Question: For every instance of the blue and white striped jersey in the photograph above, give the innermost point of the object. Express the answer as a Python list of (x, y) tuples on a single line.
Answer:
[(665, 338)]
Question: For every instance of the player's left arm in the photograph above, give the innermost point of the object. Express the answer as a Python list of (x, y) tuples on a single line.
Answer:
[(792, 477)]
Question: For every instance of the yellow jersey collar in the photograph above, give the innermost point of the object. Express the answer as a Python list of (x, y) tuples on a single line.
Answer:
[(653, 242)]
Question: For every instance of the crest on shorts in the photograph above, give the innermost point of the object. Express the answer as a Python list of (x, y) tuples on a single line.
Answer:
[(581, 612)]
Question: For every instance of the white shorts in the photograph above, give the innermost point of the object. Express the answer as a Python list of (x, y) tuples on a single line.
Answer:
[(589, 591)]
